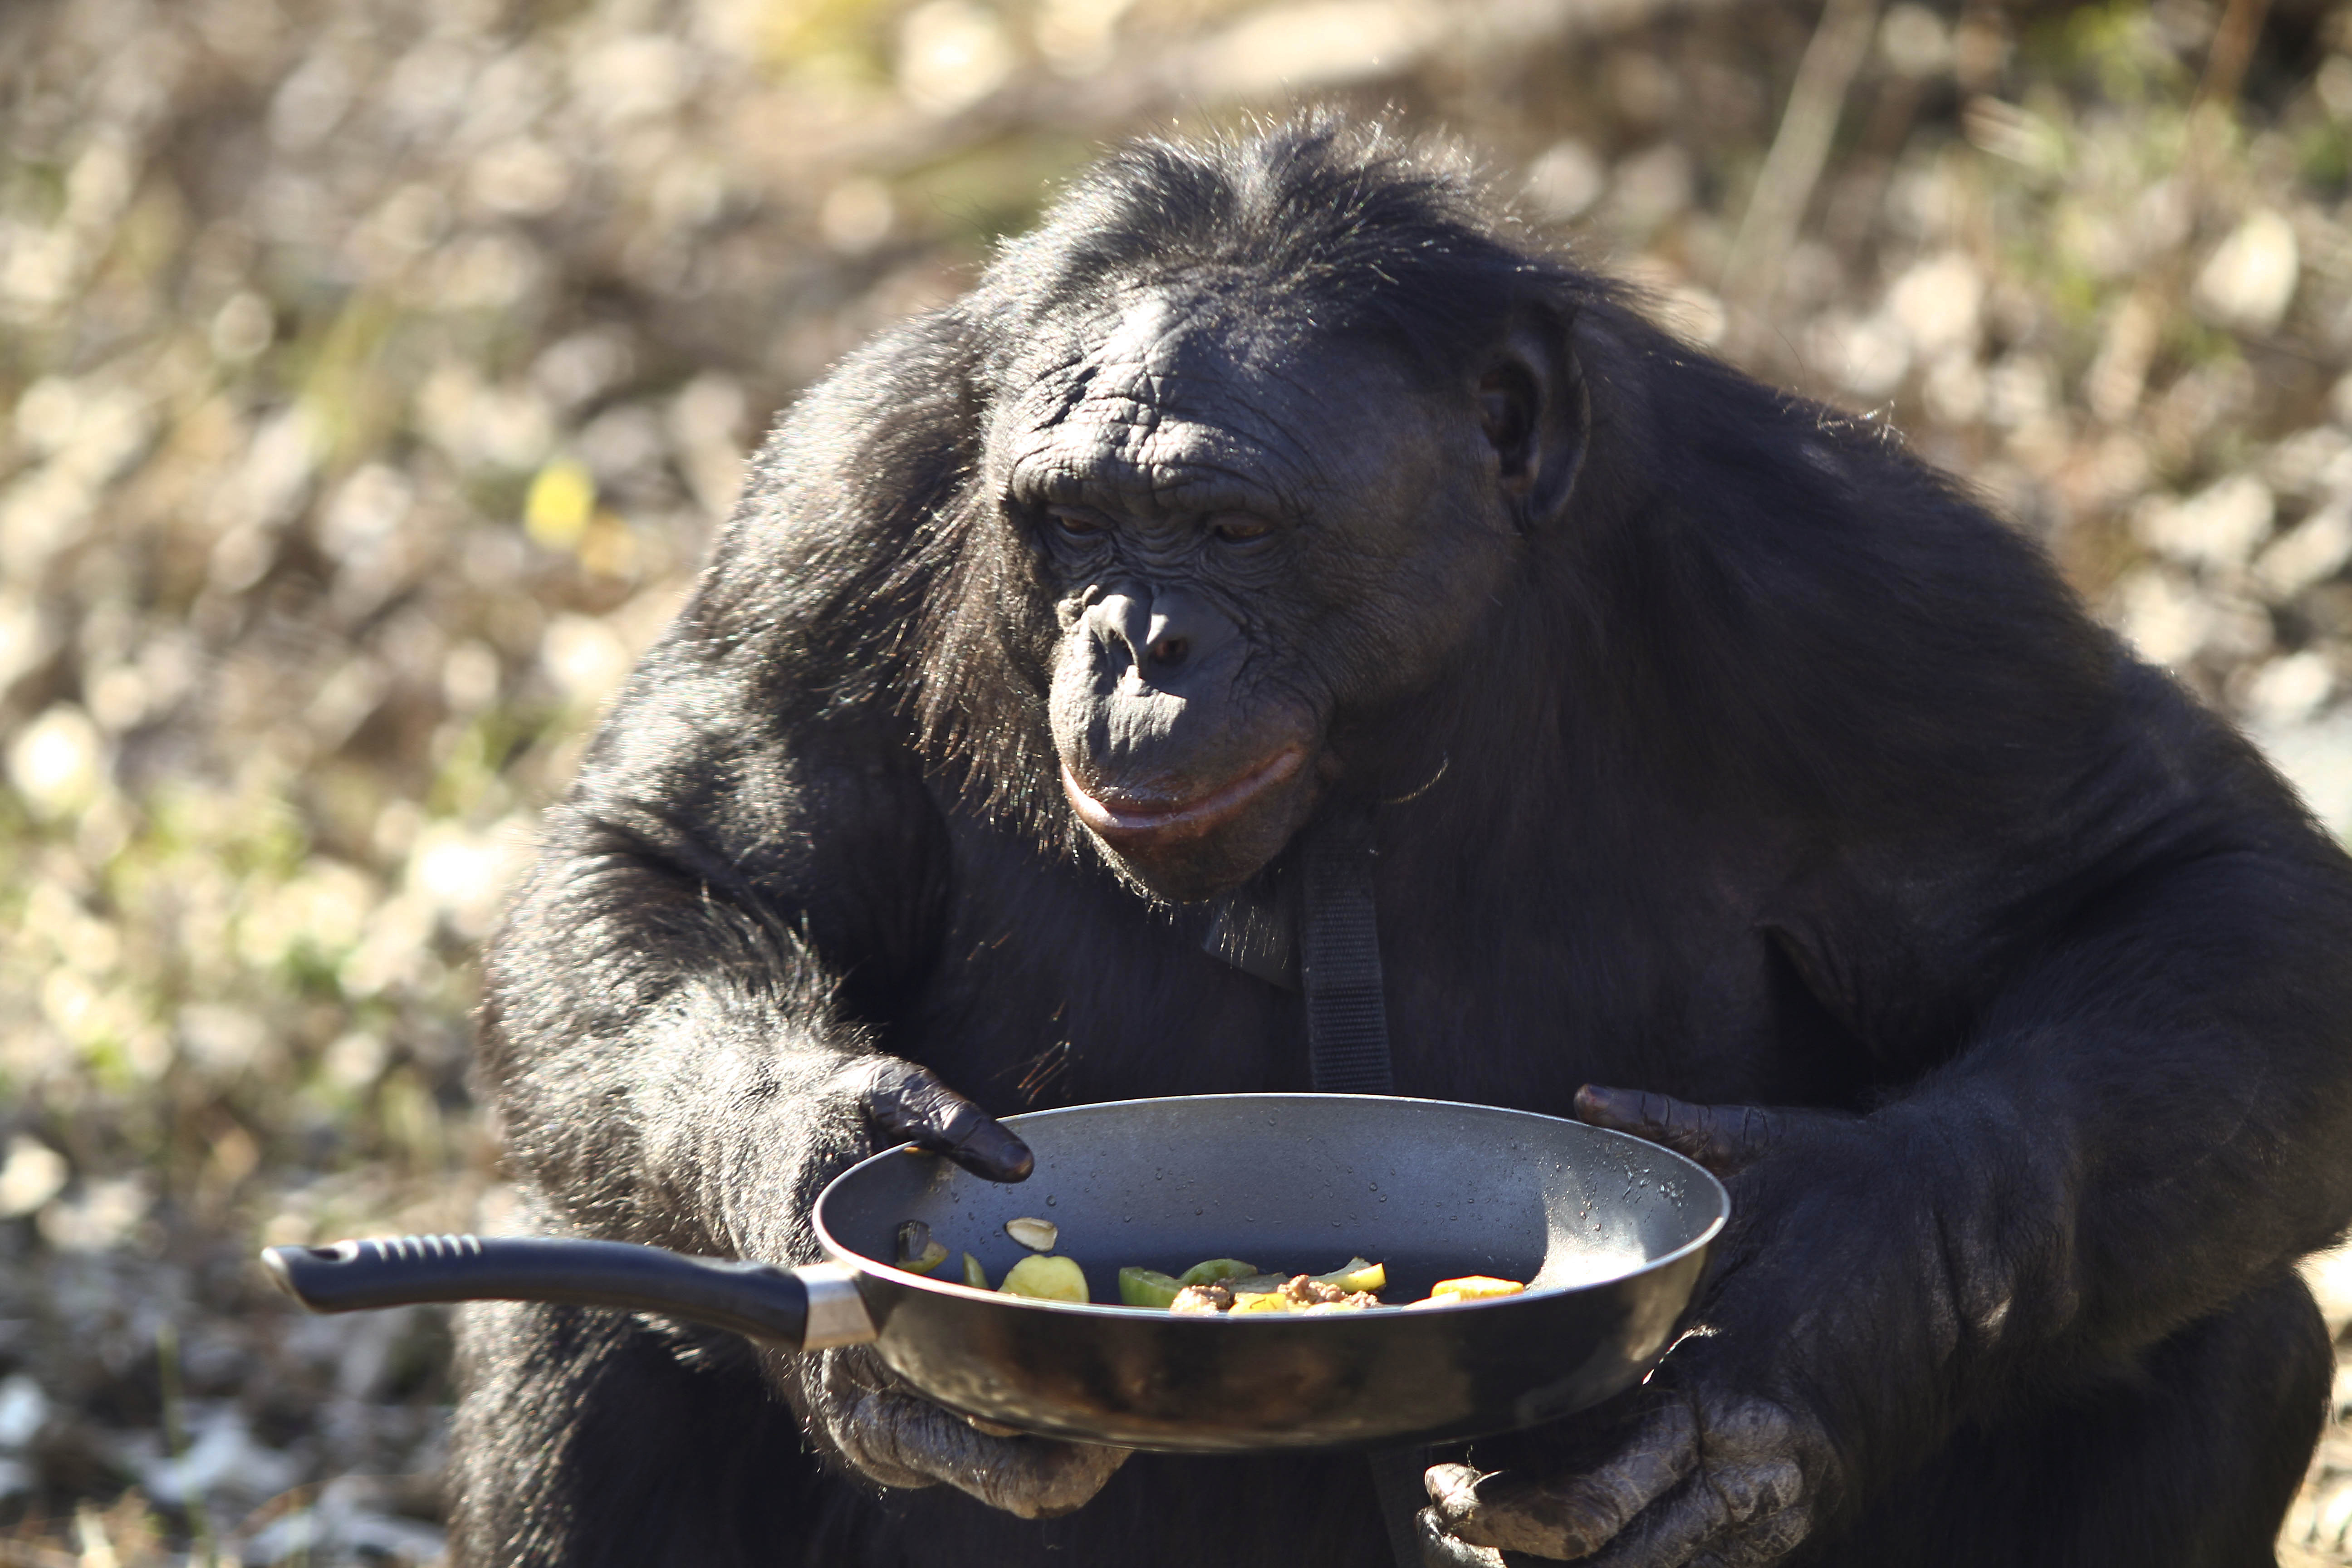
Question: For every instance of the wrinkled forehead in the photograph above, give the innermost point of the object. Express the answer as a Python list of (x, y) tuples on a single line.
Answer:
[(1172, 401)]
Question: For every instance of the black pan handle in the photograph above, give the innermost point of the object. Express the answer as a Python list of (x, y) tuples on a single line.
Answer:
[(798, 1309)]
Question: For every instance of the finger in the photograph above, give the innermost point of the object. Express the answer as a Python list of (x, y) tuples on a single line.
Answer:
[(1031, 1478), (1725, 1138), (909, 1101), (1575, 1515), (1439, 1550), (1730, 1515)]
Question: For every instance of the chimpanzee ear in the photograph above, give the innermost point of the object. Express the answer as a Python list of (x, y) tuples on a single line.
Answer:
[(1532, 403)]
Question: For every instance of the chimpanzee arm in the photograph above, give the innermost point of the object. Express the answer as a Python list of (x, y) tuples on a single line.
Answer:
[(673, 1036), (689, 1027), (2100, 949), (690, 1003)]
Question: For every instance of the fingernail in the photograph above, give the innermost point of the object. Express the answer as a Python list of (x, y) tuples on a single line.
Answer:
[(1453, 1488), (995, 1154), (1595, 1103)]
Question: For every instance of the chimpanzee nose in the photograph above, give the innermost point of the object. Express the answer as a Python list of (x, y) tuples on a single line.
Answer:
[(1122, 622), (1158, 632), (1168, 644)]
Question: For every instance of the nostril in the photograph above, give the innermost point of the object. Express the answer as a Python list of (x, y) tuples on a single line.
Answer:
[(1169, 652)]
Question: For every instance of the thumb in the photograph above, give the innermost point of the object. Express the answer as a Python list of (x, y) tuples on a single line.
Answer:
[(909, 1101)]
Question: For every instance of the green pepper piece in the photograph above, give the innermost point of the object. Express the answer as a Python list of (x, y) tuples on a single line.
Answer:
[(974, 1274), (1147, 1288), (1214, 1269)]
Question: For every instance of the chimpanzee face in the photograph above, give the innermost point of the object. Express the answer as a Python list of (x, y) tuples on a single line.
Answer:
[(1247, 528)]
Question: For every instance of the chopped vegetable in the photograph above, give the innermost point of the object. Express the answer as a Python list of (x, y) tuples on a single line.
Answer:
[(1147, 1288), (1261, 1301), (918, 1253), (1471, 1288), (1046, 1279), (1214, 1269), (1037, 1234), (974, 1274), (1356, 1275)]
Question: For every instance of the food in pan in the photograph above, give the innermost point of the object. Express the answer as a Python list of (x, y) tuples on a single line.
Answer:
[(1037, 1234), (1348, 1288), (919, 1251), (1149, 1288), (1216, 1269), (1215, 1285), (1047, 1280), (1469, 1287)]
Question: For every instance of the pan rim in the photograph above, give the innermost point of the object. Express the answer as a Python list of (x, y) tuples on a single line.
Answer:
[(858, 1263)]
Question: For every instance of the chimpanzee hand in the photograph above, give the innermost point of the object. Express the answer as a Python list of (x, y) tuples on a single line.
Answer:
[(1708, 1477), (903, 1101), (1713, 1467), (894, 1436), (876, 1423)]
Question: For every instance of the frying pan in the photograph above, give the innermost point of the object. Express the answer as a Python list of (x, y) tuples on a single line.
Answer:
[(1610, 1233)]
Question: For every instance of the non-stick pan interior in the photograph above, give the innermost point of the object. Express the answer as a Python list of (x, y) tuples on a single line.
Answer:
[(1299, 1183)]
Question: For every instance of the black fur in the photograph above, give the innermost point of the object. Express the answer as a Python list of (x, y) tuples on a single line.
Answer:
[(1775, 771)]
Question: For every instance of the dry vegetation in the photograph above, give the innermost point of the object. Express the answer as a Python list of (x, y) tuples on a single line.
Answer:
[(372, 372)]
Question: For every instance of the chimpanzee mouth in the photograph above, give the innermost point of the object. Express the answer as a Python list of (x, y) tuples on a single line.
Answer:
[(1126, 819)]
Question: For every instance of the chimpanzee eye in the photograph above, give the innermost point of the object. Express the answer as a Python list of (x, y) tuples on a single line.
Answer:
[(1076, 524), (1239, 527)]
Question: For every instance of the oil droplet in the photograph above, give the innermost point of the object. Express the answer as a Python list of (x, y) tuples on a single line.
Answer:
[(1049, 1203)]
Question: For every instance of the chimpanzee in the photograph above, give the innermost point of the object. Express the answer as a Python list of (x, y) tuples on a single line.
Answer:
[(1712, 747)]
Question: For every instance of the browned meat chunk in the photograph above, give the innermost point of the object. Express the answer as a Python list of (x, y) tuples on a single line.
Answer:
[(1213, 1296), (1305, 1290)]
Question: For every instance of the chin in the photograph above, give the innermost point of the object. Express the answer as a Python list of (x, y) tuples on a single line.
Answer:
[(1182, 864), (1190, 874)]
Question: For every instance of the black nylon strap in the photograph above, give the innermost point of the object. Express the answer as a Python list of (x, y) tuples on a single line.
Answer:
[(1347, 1021), (1348, 1053)]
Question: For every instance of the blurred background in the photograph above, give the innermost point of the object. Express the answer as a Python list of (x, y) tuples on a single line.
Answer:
[(372, 372)]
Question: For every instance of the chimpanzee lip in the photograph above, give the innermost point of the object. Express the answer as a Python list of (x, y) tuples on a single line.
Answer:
[(1126, 817)]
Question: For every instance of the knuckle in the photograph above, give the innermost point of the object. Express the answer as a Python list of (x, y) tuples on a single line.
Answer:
[(875, 1436), (956, 1117), (870, 1081), (1750, 1427), (1036, 1477), (1737, 1491)]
